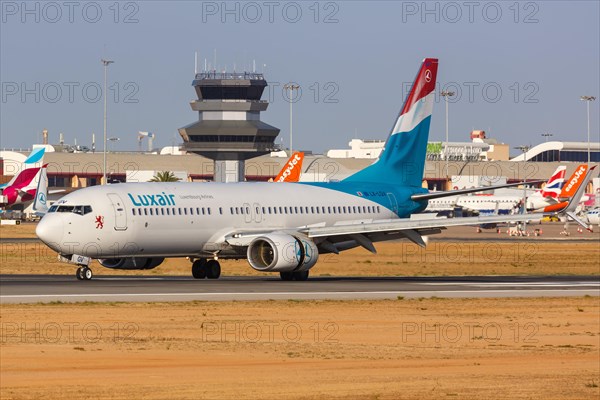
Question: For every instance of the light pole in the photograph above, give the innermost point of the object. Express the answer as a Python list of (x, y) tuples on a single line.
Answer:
[(291, 87), (524, 149), (546, 136), (445, 94), (588, 99), (113, 139), (106, 63)]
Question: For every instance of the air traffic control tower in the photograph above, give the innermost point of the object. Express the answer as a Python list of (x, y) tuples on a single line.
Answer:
[(229, 130)]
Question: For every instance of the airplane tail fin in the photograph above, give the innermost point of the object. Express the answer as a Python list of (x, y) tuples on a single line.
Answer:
[(292, 169), (40, 203), (36, 156), (402, 160), (570, 188), (555, 183), (32, 163), (571, 208)]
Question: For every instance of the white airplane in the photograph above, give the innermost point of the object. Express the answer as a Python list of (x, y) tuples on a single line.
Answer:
[(593, 216), (552, 198), (276, 227)]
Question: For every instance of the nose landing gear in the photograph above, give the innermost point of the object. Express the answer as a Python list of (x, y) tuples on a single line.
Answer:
[(84, 273)]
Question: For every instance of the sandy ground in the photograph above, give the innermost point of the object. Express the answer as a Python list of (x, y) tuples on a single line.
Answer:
[(401, 349), (454, 252)]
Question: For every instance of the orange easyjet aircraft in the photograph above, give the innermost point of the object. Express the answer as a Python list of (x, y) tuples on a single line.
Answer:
[(292, 169)]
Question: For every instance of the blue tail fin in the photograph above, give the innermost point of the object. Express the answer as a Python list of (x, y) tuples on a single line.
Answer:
[(402, 160)]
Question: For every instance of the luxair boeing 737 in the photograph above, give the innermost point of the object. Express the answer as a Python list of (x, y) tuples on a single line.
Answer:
[(281, 227)]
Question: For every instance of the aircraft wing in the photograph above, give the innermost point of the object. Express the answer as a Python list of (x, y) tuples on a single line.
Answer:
[(438, 195), (364, 233)]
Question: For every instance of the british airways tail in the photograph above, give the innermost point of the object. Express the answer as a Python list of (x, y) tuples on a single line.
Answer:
[(402, 160), (555, 184)]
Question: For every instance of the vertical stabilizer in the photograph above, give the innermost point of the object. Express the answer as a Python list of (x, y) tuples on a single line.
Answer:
[(402, 160)]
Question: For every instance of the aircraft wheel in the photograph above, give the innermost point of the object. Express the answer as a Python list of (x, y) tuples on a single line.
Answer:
[(213, 269), (79, 273), (286, 276), (87, 273), (199, 269), (301, 275)]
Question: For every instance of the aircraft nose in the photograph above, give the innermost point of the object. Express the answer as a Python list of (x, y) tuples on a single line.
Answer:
[(50, 231)]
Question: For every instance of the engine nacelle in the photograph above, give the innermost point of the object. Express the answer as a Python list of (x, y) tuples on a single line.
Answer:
[(281, 252), (131, 263)]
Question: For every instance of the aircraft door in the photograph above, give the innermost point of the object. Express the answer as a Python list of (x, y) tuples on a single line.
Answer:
[(119, 209), (393, 203)]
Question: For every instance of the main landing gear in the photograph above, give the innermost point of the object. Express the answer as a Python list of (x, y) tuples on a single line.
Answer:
[(294, 276), (84, 273), (203, 268)]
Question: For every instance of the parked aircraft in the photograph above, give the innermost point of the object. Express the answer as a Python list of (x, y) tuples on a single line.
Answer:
[(22, 188), (292, 169)]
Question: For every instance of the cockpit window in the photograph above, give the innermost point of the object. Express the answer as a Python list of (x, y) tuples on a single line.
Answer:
[(80, 210)]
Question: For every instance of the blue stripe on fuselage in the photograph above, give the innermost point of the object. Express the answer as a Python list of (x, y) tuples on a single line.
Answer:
[(380, 194)]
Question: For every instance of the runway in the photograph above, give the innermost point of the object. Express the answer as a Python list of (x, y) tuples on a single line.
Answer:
[(52, 288)]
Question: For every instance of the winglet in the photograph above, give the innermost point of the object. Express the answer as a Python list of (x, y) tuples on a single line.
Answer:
[(574, 202)]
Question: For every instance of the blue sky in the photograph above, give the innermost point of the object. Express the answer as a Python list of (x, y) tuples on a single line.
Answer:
[(519, 67)]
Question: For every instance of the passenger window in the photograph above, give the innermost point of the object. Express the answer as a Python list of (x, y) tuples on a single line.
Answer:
[(247, 210), (208, 210), (133, 211), (151, 213), (145, 211)]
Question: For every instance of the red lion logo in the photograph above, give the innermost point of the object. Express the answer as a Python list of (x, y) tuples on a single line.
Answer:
[(99, 222)]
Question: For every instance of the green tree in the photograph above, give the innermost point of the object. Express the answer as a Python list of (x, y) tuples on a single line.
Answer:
[(164, 176)]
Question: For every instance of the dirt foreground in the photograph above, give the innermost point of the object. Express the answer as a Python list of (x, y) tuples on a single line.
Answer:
[(402, 349)]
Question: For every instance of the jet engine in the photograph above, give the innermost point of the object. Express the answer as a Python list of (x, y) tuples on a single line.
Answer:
[(281, 252), (131, 263)]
